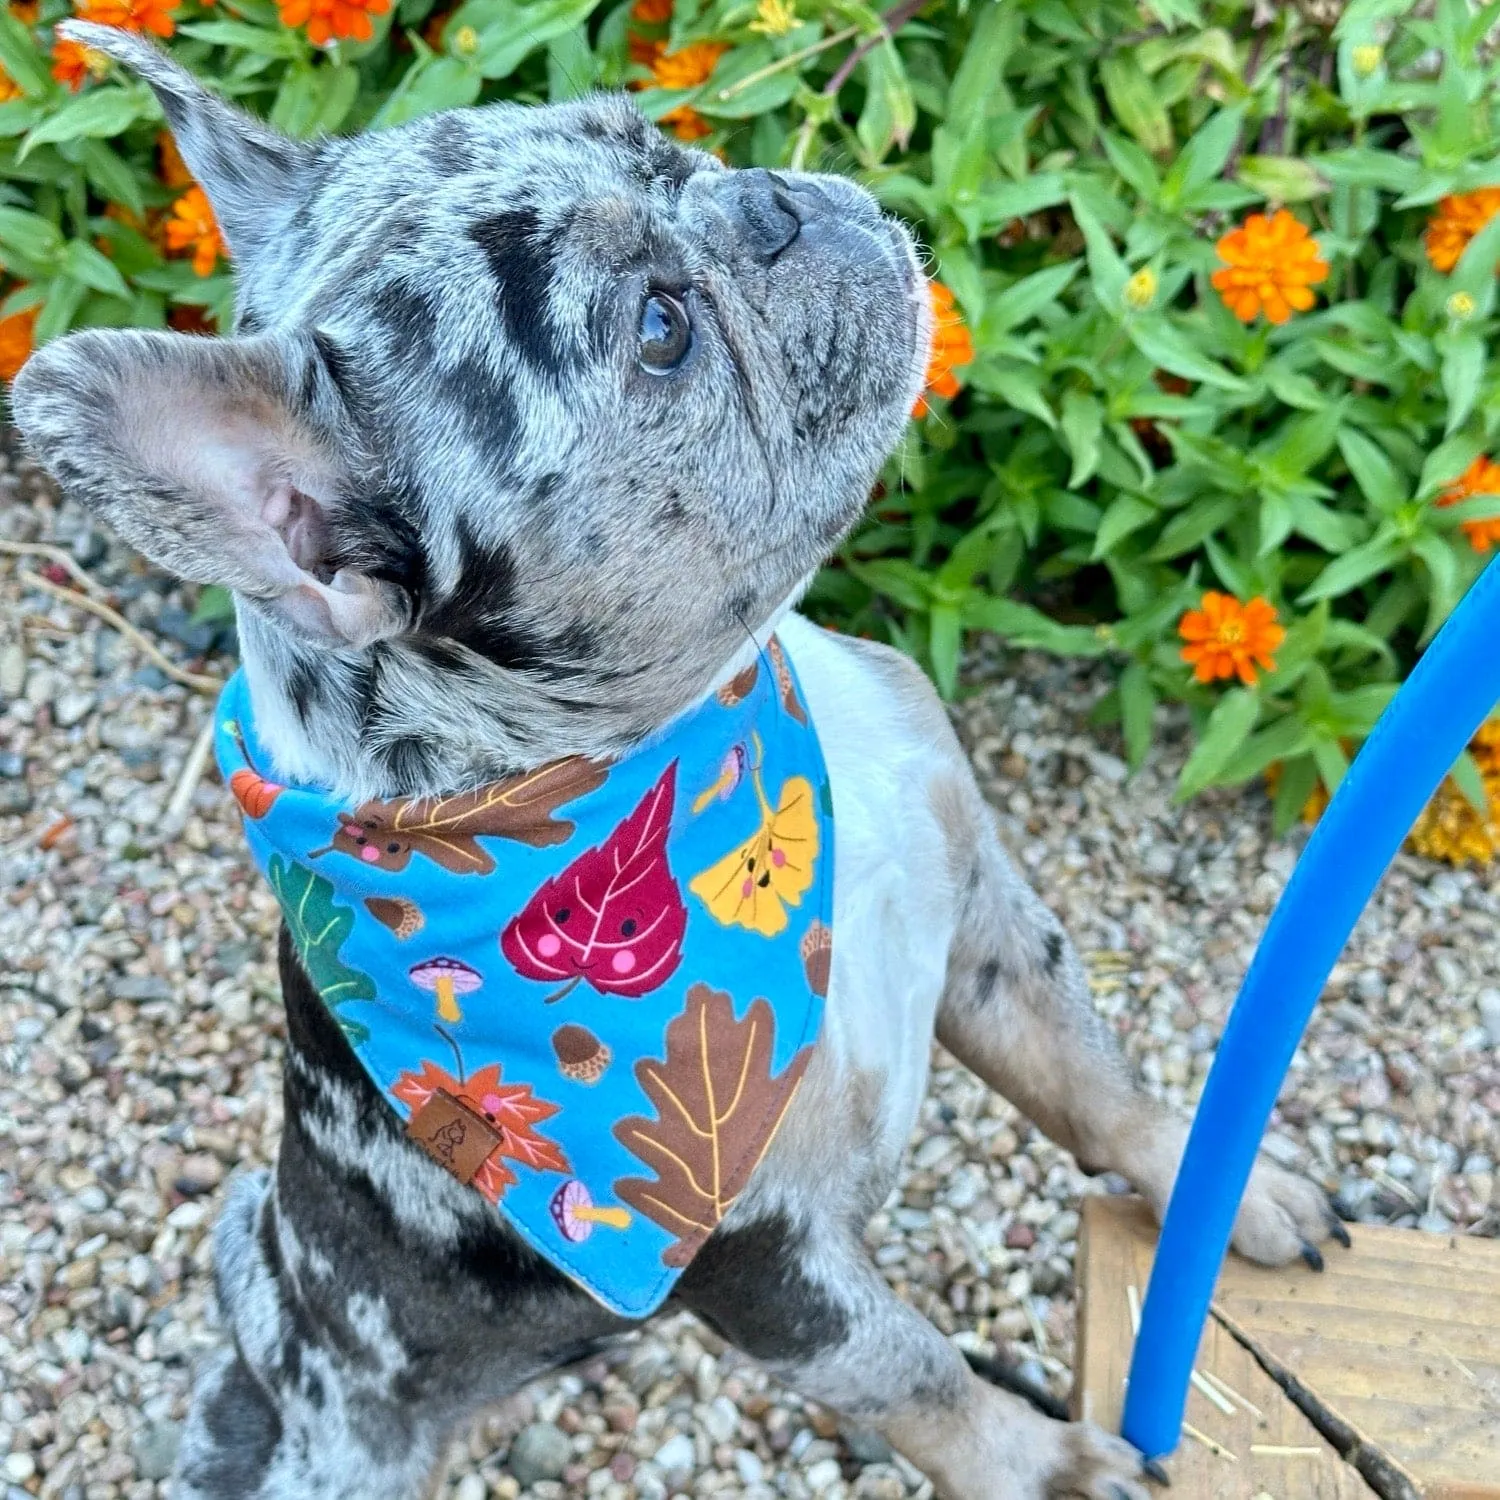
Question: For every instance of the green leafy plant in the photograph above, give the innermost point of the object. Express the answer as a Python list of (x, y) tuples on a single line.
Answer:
[(1117, 442)]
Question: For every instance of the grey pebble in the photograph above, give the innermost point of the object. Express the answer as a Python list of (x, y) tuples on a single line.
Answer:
[(70, 708), (677, 1455), (12, 670), (1489, 1015), (155, 1448), (865, 1445), (540, 1451)]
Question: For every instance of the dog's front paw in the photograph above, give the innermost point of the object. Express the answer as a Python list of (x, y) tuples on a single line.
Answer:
[(1284, 1216), (1095, 1466)]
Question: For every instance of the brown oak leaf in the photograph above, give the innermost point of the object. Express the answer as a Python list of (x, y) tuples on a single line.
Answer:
[(387, 834), (718, 1108)]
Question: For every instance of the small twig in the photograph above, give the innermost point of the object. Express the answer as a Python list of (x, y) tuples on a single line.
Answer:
[(195, 680), (1038, 1332), (1397, 1187), (1229, 1390), (1273, 1450), (187, 782), (890, 23), (1217, 1449), (789, 61), (1209, 1393), (58, 555)]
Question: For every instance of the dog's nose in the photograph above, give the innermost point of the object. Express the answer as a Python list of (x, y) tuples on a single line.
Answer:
[(770, 214)]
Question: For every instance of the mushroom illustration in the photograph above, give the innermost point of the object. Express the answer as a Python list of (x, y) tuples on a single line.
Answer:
[(574, 1213), (581, 1056), (446, 978)]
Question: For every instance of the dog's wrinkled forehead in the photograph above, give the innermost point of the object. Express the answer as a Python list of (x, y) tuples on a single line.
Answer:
[(488, 268), (523, 194)]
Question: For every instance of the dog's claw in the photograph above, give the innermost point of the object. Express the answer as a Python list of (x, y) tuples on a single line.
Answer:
[(1312, 1255), (1339, 1234), (1343, 1211), (1153, 1469)]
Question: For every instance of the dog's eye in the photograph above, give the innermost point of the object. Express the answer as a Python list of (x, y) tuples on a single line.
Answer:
[(666, 333)]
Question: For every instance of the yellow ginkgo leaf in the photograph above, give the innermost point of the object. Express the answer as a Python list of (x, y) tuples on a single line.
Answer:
[(753, 885)]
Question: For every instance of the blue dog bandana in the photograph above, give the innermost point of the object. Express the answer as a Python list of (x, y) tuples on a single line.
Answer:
[(591, 991)]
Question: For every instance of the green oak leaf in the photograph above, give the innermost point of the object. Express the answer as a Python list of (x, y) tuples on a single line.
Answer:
[(319, 927)]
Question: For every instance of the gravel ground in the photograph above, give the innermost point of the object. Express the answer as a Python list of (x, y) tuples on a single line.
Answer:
[(141, 1035)]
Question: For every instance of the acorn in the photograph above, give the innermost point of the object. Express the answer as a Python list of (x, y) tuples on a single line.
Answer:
[(403, 917), (581, 1056), (817, 957), (739, 687)]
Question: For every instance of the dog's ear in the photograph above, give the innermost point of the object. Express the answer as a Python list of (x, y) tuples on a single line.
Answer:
[(253, 176), (224, 460)]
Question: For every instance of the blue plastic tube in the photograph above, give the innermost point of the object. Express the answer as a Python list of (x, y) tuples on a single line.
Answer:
[(1453, 688)]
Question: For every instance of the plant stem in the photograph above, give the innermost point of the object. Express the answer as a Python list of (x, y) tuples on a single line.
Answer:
[(890, 23), (789, 61)]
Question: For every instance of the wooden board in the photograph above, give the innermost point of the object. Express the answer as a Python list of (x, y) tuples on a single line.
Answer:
[(1115, 1252), (1397, 1345)]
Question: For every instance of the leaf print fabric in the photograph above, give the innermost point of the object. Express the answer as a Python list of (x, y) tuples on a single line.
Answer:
[(510, 1108), (319, 926), (590, 992), (717, 1108), (614, 918), (446, 829), (752, 886)]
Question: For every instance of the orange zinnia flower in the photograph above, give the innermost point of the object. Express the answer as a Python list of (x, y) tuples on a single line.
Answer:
[(193, 227), (26, 14), (1228, 639), (1457, 219), (643, 50), (952, 346), (15, 341), (74, 64), (1272, 266), (154, 16), (1482, 477), (683, 69), (688, 66), (651, 12), (9, 88), (326, 19), (686, 123), (174, 171)]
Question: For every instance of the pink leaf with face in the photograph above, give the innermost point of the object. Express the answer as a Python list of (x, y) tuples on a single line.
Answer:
[(614, 918)]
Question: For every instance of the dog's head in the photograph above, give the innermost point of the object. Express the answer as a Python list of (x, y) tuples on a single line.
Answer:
[(529, 417)]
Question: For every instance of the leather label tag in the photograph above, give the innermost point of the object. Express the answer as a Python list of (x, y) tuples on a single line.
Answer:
[(454, 1135)]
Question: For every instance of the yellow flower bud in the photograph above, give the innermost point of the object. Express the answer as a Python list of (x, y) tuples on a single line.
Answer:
[(775, 17), (1461, 307), (466, 41), (1140, 290), (1367, 58)]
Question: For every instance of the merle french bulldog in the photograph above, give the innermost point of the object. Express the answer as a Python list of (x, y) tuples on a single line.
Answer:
[(530, 422)]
